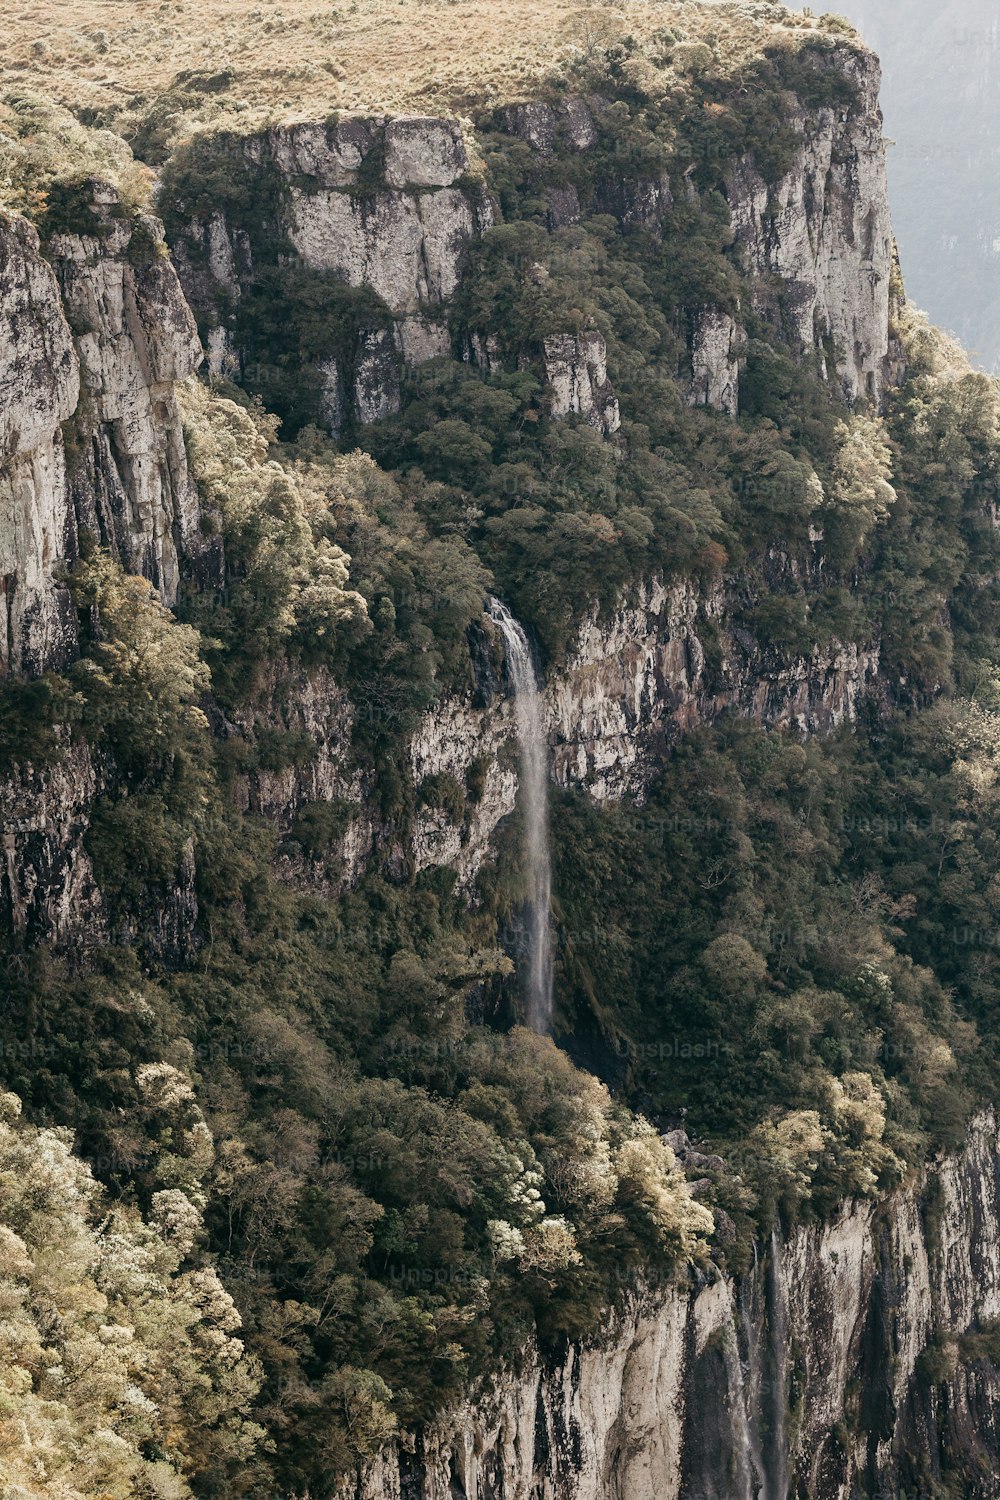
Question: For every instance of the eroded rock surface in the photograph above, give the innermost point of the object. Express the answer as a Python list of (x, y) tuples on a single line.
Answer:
[(819, 243), (39, 391), (93, 339), (577, 370), (690, 1390), (386, 204)]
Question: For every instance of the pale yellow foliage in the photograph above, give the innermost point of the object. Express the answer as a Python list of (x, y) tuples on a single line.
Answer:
[(108, 1349), (270, 510), (40, 141), (603, 1160), (585, 1177), (788, 1149), (862, 473), (647, 1171), (550, 1246)]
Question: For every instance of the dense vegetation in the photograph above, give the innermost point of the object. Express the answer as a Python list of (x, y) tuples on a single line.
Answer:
[(316, 1088), (554, 512), (120, 1371)]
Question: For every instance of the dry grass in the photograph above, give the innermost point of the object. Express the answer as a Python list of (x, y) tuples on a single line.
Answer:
[(114, 57)]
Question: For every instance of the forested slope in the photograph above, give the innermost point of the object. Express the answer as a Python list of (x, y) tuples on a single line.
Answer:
[(628, 349)]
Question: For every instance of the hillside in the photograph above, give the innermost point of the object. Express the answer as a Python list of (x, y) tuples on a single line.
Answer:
[(499, 748), (117, 61)]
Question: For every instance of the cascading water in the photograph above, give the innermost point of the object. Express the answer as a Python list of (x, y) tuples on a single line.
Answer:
[(535, 793), (764, 1315), (778, 1472)]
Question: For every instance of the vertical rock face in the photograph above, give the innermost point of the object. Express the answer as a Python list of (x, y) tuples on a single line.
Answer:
[(135, 338), (577, 370), (404, 245), (94, 339), (715, 363), (543, 126), (822, 237), (47, 887), (666, 660), (390, 205), (450, 744), (384, 204), (675, 657), (809, 1376), (39, 390)]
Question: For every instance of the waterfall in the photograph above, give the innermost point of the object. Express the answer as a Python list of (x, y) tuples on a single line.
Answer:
[(778, 1477), (530, 716), (764, 1315)]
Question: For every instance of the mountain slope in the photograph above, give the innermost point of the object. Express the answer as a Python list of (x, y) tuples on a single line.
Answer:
[(631, 353)]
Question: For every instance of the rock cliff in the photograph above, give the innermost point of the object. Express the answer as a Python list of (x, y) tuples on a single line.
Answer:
[(819, 244), (635, 680), (847, 1346), (388, 205), (135, 339), (391, 205), (100, 332), (47, 888), (39, 390), (95, 336), (809, 1375)]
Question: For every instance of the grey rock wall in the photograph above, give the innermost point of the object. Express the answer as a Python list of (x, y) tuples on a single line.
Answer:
[(93, 339), (39, 390), (805, 1377), (819, 243)]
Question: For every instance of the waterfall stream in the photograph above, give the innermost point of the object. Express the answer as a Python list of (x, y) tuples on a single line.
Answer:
[(530, 716), (778, 1469), (764, 1317)]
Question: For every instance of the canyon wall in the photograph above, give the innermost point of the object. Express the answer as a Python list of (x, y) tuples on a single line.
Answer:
[(820, 243), (387, 205), (816, 1371), (94, 337), (853, 1359), (98, 332)]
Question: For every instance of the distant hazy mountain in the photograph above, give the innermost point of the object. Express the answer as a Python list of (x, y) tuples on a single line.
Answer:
[(941, 61)]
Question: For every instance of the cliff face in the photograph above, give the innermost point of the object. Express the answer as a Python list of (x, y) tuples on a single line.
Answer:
[(820, 242), (135, 339), (391, 206), (47, 888), (676, 657), (94, 338), (39, 390), (635, 680), (101, 331), (807, 1376), (812, 1373), (388, 205)]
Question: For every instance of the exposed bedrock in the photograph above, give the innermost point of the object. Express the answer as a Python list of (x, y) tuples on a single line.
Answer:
[(847, 1362)]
